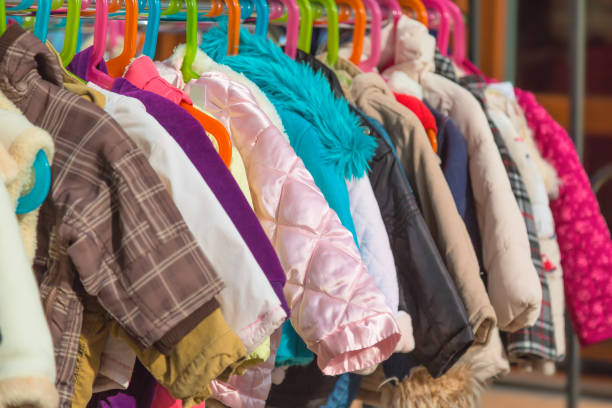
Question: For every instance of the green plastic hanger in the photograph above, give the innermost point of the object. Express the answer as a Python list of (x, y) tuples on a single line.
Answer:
[(174, 7), (55, 4), (306, 20), (2, 17), (71, 34), (191, 44), (333, 31)]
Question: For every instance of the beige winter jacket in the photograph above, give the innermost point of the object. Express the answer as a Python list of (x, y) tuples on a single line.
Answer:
[(370, 94), (514, 287)]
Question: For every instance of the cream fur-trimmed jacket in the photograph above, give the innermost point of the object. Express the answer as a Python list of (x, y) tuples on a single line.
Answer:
[(27, 362)]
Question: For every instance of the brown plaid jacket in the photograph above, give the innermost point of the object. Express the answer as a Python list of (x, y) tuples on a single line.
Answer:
[(108, 230)]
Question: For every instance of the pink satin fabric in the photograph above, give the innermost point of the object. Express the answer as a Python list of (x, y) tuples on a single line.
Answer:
[(336, 307)]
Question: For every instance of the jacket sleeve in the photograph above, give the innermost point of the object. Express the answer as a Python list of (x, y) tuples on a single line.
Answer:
[(336, 307), (251, 389), (373, 240), (435, 200), (426, 289), (27, 365), (514, 287)]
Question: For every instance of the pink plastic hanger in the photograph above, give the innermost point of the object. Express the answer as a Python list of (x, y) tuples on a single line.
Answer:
[(97, 53), (375, 27), (396, 10), (458, 33), (293, 27), (276, 9), (443, 29)]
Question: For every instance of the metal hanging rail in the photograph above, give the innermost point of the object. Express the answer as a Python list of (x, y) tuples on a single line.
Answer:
[(577, 86)]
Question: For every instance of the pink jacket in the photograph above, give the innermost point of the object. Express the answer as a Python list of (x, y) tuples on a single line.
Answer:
[(335, 306), (583, 236)]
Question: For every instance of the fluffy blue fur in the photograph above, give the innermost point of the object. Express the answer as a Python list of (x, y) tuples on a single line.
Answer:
[(296, 87)]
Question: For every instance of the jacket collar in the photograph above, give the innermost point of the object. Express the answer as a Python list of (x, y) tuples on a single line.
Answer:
[(293, 86), (413, 49), (369, 82), (318, 66), (24, 59)]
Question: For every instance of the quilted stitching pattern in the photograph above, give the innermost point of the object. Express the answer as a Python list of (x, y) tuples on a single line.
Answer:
[(583, 236), (336, 307)]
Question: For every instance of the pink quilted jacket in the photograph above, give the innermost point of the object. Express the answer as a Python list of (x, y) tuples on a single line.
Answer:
[(335, 305), (584, 239)]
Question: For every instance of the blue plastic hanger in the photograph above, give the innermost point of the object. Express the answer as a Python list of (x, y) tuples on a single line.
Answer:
[(150, 43), (42, 184), (261, 23), (41, 26), (25, 4)]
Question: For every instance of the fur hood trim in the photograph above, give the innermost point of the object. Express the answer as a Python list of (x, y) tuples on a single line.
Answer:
[(458, 388), (32, 392), (22, 141), (8, 166), (295, 87)]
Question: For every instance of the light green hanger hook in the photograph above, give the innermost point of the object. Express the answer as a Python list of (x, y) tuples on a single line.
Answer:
[(55, 4), (191, 44), (71, 36), (2, 17), (305, 33), (174, 7), (333, 31)]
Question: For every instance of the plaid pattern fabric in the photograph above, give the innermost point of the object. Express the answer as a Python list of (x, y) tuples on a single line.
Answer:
[(444, 66), (537, 340), (109, 230)]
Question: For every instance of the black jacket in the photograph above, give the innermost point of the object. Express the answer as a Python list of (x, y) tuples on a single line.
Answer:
[(441, 328)]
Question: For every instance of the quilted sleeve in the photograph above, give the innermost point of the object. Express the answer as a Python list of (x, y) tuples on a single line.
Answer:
[(335, 305)]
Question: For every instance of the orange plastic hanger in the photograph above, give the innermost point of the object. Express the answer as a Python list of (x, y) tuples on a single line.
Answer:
[(117, 65), (419, 9), (233, 26), (215, 128), (114, 6), (359, 28), (344, 13), (216, 8)]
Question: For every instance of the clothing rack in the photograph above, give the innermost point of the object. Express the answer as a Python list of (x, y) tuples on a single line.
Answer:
[(577, 54)]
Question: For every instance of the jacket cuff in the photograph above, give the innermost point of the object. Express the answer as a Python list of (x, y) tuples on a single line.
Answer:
[(218, 353), (33, 392), (483, 321), (167, 343), (357, 345), (451, 351)]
